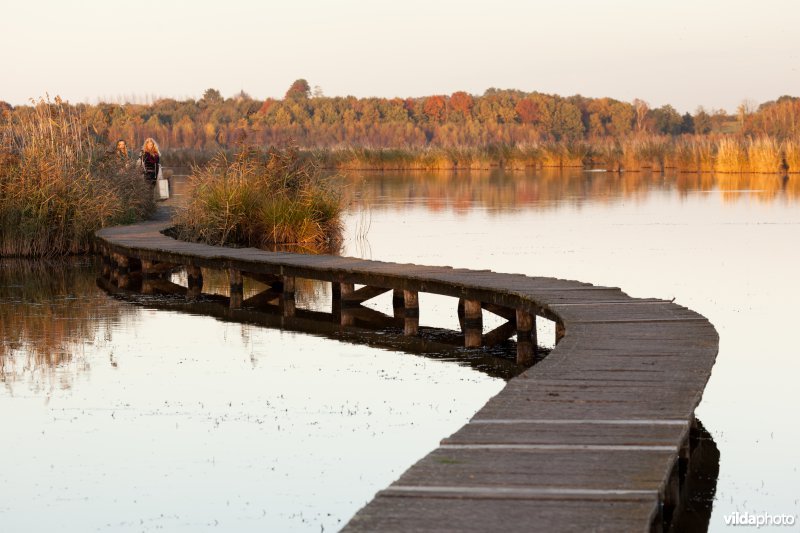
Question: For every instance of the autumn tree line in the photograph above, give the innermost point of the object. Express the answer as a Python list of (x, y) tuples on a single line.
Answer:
[(514, 128)]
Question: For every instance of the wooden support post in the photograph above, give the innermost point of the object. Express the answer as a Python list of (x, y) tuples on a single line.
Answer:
[(287, 296), (410, 313), (194, 278), (149, 270), (124, 281), (237, 288), (120, 262), (147, 286), (346, 290), (105, 265), (339, 291), (398, 303), (526, 337), (347, 317), (473, 323), (121, 270), (559, 332)]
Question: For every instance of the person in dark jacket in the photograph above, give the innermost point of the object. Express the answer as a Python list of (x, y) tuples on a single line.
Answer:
[(150, 161)]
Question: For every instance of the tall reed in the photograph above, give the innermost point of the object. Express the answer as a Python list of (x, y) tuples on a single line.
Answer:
[(687, 153), (58, 185), (791, 154), (607, 154), (260, 198), (731, 156), (764, 155), (560, 155)]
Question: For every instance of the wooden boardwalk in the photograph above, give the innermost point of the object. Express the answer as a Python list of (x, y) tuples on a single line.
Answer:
[(595, 437)]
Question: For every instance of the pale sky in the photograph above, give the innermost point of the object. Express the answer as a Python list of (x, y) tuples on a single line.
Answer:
[(715, 53)]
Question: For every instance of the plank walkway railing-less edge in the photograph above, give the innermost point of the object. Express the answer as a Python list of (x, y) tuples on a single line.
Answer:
[(596, 437)]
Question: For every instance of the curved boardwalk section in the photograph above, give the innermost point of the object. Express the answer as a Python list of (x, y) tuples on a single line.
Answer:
[(597, 436)]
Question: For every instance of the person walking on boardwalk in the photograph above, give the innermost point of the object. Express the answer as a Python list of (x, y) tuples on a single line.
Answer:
[(150, 161)]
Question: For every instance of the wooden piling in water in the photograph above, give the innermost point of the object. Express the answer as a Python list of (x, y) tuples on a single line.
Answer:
[(287, 302), (342, 291), (526, 337), (237, 288), (194, 282), (398, 304), (473, 324), (410, 313)]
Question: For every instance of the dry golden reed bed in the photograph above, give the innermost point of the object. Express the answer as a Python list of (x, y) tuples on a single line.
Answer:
[(687, 153), (59, 184), (260, 198)]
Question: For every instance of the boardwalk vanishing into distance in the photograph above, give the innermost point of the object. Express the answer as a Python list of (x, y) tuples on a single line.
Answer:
[(597, 436)]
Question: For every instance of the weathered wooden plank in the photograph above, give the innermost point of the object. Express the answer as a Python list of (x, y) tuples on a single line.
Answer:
[(423, 513), (575, 468), (646, 433)]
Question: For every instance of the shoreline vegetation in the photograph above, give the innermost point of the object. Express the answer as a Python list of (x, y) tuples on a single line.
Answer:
[(504, 128), (723, 154), (59, 183), (262, 199)]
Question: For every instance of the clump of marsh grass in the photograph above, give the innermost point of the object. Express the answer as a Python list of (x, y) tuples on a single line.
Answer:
[(607, 154), (58, 185), (685, 156), (561, 154), (632, 154), (706, 154), (791, 154), (764, 155), (731, 156), (260, 198)]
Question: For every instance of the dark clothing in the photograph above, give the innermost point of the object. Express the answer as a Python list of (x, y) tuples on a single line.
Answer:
[(150, 164)]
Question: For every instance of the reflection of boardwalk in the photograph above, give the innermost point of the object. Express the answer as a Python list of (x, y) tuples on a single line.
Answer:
[(594, 437), (366, 326)]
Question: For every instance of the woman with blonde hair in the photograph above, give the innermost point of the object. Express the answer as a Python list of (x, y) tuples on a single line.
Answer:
[(150, 161)]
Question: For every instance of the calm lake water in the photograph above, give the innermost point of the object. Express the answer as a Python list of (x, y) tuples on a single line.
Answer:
[(127, 417)]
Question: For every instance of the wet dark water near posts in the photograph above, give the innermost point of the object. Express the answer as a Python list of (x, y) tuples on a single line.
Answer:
[(134, 416)]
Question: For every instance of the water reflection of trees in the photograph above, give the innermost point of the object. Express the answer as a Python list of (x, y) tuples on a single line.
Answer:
[(49, 312), (551, 188)]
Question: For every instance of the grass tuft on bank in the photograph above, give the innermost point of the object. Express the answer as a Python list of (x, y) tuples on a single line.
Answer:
[(261, 198), (58, 184)]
